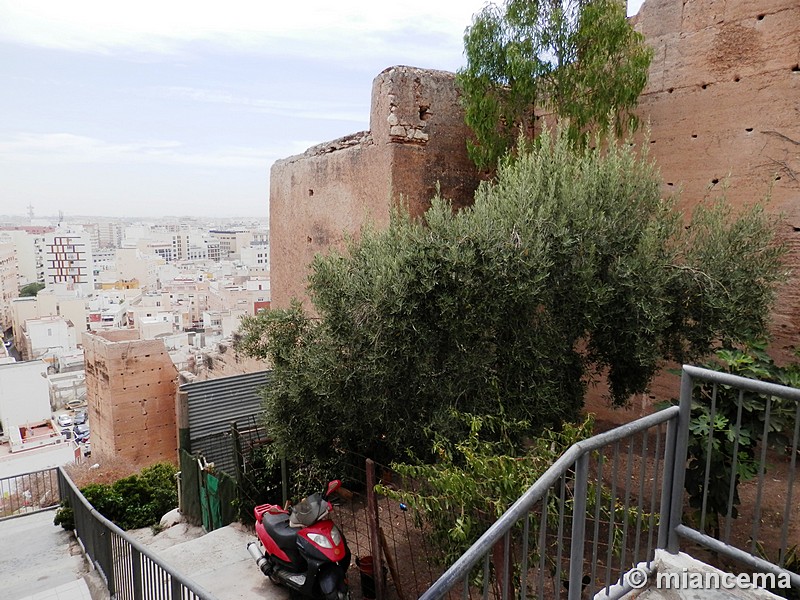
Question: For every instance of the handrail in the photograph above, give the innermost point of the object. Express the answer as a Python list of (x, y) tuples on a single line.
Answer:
[(677, 529), (536, 492), (671, 526), (34, 481), (177, 578), (745, 383)]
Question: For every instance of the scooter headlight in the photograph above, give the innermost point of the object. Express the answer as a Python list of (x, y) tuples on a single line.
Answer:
[(336, 536), (320, 540)]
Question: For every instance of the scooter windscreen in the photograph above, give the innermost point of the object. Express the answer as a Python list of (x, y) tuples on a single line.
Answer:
[(308, 511)]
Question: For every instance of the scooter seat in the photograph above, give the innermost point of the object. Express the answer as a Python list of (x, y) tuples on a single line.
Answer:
[(277, 527)]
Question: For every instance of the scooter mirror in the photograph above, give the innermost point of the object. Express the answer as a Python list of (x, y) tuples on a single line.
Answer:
[(332, 487)]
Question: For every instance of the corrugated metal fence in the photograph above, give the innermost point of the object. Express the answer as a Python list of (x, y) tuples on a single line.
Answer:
[(221, 413)]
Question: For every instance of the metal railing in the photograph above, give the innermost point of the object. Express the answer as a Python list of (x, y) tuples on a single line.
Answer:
[(129, 570), (746, 455), (579, 524), (28, 493), (610, 501)]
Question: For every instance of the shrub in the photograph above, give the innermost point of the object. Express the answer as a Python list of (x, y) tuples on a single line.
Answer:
[(136, 501)]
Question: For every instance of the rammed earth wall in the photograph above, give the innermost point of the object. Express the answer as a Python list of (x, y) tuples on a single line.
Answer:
[(416, 140), (723, 106), (131, 386), (723, 102)]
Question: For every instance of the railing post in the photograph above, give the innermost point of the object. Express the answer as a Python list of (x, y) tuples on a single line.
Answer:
[(578, 527), (105, 556), (679, 468), (666, 483), (284, 480), (136, 573)]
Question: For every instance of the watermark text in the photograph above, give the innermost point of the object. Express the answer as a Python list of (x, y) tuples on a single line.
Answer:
[(640, 577)]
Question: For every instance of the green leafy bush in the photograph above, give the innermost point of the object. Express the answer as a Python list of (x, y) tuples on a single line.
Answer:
[(65, 516), (748, 360), (475, 480), (136, 501)]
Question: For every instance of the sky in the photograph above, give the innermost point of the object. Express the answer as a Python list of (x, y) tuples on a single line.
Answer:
[(154, 108)]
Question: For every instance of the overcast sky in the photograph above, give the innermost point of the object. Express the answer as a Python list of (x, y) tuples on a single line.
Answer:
[(176, 107)]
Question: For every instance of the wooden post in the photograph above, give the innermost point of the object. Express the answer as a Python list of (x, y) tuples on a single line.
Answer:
[(392, 566), (374, 542)]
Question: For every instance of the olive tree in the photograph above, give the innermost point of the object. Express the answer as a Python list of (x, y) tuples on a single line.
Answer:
[(578, 59), (568, 266)]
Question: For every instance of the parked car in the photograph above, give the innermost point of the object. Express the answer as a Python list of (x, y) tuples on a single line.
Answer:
[(87, 449), (64, 420), (80, 417), (81, 432)]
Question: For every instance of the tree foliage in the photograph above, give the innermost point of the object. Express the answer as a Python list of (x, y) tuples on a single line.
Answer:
[(570, 266), (579, 59), (30, 290)]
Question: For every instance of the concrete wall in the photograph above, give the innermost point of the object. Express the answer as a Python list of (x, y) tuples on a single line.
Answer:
[(9, 282), (416, 140), (25, 401), (49, 335), (131, 386)]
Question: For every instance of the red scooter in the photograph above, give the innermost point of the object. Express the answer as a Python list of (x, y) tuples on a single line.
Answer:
[(304, 549)]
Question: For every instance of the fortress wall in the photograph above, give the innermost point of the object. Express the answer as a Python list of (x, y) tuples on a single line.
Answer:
[(723, 103), (416, 141)]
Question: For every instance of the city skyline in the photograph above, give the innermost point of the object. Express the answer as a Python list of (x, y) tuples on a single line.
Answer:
[(151, 109)]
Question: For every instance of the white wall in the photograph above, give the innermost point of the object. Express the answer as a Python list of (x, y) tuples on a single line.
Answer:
[(50, 333), (24, 394)]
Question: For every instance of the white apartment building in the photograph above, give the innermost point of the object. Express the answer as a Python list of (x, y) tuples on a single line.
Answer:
[(9, 283), (222, 322), (132, 263), (68, 259), (91, 232), (53, 302), (48, 337), (29, 244), (250, 296), (25, 406), (190, 245), (256, 258), (103, 265), (231, 241), (158, 306), (109, 309), (160, 325), (110, 234)]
